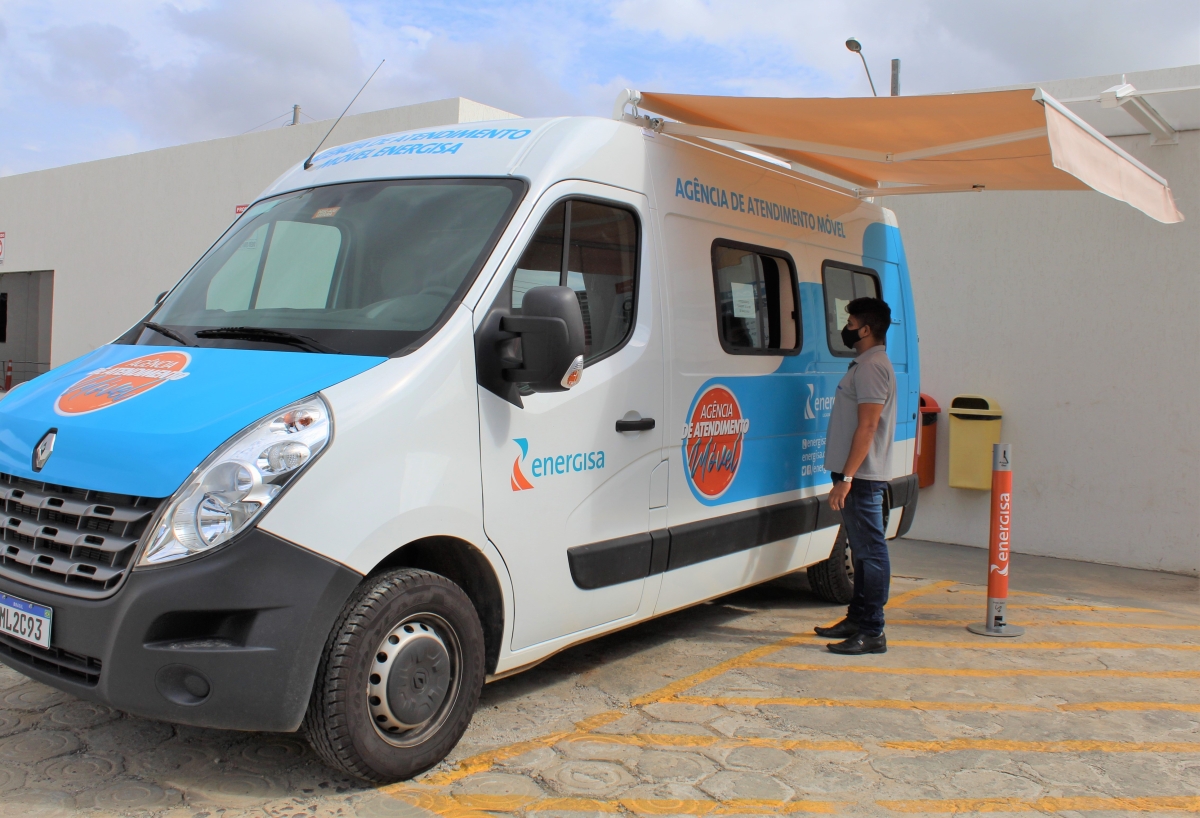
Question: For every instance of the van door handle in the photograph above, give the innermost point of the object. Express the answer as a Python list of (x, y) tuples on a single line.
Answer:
[(639, 425)]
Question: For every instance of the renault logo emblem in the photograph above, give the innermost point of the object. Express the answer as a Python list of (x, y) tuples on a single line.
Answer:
[(44, 449)]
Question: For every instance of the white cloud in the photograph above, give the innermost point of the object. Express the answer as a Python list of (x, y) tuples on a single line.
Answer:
[(81, 81)]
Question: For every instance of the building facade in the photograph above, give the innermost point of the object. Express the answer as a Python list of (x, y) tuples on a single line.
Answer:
[(1079, 315)]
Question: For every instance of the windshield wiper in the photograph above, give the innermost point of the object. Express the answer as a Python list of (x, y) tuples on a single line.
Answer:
[(167, 332), (276, 336)]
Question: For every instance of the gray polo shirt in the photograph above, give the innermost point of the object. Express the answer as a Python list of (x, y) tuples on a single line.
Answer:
[(870, 379)]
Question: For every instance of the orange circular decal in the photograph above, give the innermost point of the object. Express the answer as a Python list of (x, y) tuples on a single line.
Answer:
[(712, 441), (112, 384)]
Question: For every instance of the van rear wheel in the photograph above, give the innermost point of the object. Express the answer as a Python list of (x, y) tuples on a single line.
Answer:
[(399, 679), (833, 579)]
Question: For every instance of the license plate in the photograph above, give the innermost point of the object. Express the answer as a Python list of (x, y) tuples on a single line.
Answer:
[(26, 621)]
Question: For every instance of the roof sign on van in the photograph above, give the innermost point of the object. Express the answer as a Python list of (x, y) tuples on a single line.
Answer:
[(695, 191), (422, 142)]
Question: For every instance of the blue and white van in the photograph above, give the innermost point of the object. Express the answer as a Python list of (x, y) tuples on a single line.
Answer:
[(444, 404)]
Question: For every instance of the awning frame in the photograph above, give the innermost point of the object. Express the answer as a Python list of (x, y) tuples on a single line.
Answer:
[(1045, 99), (1072, 147), (768, 141)]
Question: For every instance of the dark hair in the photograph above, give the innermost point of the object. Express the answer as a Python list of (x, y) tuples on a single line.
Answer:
[(874, 313)]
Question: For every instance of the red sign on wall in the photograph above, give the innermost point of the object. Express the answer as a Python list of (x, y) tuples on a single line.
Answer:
[(239, 209)]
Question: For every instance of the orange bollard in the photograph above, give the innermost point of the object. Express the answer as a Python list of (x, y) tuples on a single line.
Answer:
[(1000, 541)]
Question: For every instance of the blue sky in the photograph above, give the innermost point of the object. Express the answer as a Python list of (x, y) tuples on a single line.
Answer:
[(85, 81)]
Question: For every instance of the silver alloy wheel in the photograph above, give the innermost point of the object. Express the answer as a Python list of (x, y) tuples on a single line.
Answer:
[(849, 562), (414, 680)]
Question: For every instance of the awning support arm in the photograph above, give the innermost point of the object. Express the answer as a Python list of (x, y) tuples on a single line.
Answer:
[(909, 190), (768, 141), (1127, 97)]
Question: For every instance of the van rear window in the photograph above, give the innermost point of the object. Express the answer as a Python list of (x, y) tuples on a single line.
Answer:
[(757, 300)]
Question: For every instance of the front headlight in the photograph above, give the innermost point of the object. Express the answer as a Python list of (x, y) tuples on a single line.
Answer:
[(238, 481)]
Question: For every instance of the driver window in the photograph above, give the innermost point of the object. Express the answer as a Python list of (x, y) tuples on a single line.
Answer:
[(296, 272), (230, 288), (591, 248), (300, 265)]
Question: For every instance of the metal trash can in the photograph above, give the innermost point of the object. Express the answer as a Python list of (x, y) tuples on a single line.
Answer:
[(974, 429), (927, 441)]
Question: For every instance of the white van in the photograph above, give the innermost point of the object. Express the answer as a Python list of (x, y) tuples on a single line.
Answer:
[(444, 404)]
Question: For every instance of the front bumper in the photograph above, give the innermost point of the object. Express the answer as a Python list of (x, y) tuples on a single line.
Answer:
[(229, 640)]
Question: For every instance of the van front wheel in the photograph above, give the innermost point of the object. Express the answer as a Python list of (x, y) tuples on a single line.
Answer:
[(399, 679), (833, 579)]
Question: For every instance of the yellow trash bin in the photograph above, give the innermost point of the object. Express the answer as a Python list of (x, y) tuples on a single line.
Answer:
[(974, 427)]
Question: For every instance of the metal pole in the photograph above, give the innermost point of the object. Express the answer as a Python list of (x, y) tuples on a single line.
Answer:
[(296, 108), (999, 547), (868, 70), (895, 78)]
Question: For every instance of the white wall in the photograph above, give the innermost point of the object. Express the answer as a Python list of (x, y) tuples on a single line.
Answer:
[(1081, 316), (116, 232)]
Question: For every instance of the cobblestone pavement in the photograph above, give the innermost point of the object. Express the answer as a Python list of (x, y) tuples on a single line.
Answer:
[(731, 708)]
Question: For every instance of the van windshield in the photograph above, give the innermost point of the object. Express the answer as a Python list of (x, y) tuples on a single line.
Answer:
[(366, 268)]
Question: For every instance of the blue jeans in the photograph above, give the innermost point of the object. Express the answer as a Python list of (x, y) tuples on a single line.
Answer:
[(862, 518)]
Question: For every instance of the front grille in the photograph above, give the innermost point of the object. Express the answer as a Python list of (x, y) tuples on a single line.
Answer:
[(73, 666), (72, 541)]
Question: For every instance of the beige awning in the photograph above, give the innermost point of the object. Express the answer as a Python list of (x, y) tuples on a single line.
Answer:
[(998, 140)]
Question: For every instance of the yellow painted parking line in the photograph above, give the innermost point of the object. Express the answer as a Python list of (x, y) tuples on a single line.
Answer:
[(1068, 623), (1005, 746), (433, 802), (704, 740), (1182, 707), (1011, 644), (986, 673), (485, 761), (481, 806), (751, 656), (880, 704), (572, 805), (979, 590), (741, 806), (1026, 606), (908, 704), (1154, 803)]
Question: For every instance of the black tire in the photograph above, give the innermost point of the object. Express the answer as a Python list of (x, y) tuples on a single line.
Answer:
[(833, 579), (394, 624)]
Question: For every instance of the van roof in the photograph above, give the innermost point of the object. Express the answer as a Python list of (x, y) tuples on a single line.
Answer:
[(540, 150)]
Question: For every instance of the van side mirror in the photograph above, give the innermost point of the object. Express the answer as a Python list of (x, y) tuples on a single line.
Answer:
[(547, 354)]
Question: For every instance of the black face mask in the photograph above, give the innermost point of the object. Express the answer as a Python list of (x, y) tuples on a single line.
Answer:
[(850, 337)]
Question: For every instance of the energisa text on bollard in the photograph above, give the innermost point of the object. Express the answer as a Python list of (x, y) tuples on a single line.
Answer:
[(999, 547)]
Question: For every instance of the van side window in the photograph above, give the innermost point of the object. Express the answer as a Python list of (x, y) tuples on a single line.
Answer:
[(843, 284), (757, 299), (591, 248)]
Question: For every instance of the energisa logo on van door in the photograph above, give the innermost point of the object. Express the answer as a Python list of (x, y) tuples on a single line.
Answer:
[(713, 441), (110, 385), (550, 465), (814, 404)]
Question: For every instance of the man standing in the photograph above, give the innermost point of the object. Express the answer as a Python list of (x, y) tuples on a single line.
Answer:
[(858, 454)]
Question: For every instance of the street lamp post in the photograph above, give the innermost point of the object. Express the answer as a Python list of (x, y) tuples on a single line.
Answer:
[(855, 46)]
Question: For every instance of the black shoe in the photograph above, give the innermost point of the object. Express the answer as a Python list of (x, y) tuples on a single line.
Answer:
[(859, 644), (841, 630)]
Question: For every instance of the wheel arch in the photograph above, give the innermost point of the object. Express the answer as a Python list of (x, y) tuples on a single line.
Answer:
[(467, 567)]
